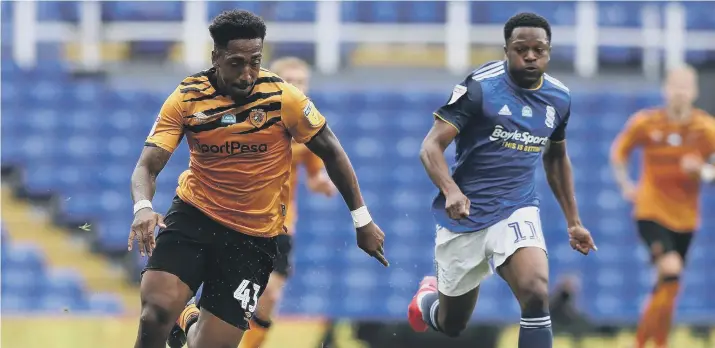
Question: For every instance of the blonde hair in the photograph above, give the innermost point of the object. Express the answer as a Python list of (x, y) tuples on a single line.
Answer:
[(685, 68), (281, 64)]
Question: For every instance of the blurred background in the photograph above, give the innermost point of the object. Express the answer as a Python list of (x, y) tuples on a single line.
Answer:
[(82, 83)]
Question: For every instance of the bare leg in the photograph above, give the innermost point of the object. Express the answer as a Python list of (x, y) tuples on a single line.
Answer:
[(212, 332), (454, 313), (527, 273), (163, 297)]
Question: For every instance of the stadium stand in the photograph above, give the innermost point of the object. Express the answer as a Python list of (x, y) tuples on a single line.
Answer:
[(80, 142), (77, 139), (30, 285)]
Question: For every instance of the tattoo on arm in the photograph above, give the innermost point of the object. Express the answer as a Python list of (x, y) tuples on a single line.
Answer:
[(557, 166), (151, 162), (327, 146)]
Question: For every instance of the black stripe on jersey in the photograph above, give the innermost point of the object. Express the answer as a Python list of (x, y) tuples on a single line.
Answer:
[(257, 96), (240, 118), (213, 95), (194, 89), (202, 73), (248, 100), (268, 124), (267, 79), (193, 82)]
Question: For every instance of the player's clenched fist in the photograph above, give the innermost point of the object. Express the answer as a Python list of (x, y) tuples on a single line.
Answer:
[(457, 205), (371, 240), (145, 222), (581, 240)]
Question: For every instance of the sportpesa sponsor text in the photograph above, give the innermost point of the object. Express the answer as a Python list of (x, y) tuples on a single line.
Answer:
[(230, 148)]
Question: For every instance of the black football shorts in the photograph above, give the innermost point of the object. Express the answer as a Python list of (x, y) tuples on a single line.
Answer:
[(234, 267), (661, 240)]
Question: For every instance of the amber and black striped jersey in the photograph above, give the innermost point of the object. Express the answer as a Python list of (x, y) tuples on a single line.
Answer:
[(240, 152), (666, 194)]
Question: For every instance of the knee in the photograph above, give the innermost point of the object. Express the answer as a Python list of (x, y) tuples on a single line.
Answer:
[(533, 293), (159, 310), (670, 265), (156, 315)]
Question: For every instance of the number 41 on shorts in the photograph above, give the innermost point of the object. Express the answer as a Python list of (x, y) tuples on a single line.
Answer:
[(243, 295)]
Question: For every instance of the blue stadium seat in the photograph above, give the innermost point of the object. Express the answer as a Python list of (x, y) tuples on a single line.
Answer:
[(142, 11), (424, 11), (620, 14), (293, 11), (698, 15), (66, 11), (28, 286), (216, 7), (558, 13), (6, 8), (105, 304)]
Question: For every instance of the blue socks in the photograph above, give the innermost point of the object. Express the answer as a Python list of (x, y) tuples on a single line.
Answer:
[(429, 305), (535, 331)]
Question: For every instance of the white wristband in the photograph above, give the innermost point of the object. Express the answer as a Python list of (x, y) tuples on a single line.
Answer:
[(707, 173), (361, 217), (144, 203)]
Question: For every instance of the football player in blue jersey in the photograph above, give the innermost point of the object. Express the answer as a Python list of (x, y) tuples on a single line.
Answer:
[(502, 117)]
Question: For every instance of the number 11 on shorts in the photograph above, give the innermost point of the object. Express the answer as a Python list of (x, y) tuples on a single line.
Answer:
[(515, 226), (243, 295)]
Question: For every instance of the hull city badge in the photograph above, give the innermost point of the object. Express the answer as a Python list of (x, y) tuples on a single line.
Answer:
[(257, 117)]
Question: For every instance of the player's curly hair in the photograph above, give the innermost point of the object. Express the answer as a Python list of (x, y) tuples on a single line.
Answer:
[(526, 20), (236, 25)]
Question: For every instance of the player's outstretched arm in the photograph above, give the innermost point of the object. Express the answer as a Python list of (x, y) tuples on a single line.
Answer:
[(370, 237), (163, 139), (432, 156), (559, 174), (151, 161)]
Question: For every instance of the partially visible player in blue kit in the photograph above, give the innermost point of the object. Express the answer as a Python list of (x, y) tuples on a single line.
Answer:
[(502, 117)]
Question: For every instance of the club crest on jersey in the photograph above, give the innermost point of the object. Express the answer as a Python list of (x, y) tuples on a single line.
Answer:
[(526, 112), (228, 119), (550, 116), (311, 115), (257, 117)]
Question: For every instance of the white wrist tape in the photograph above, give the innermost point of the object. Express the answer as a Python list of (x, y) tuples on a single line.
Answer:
[(707, 173), (361, 217), (144, 203)]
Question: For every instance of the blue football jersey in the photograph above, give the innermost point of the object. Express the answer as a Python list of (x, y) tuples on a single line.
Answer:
[(503, 130)]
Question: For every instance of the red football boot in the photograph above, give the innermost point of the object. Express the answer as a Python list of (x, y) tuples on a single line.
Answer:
[(414, 315)]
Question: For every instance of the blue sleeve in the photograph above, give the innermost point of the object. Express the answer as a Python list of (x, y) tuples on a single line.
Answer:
[(464, 103), (559, 133)]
